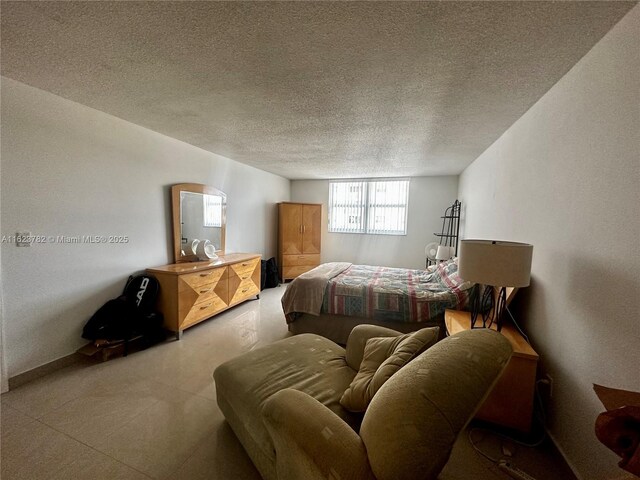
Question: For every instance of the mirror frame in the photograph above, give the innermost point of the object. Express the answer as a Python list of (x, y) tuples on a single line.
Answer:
[(176, 190)]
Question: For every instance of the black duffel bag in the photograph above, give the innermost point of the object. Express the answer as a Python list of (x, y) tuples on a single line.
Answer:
[(269, 274), (130, 315)]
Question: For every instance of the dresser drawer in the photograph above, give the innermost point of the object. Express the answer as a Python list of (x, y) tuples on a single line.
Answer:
[(298, 260), (205, 276), (245, 290), (244, 285), (245, 268), (247, 282), (203, 310), (293, 272), (246, 276), (219, 289)]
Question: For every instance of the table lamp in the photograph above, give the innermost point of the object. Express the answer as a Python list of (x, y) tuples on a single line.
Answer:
[(495, 264), (443, 253)]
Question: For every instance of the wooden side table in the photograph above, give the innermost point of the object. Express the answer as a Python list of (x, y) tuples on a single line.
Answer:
[(510, 403)]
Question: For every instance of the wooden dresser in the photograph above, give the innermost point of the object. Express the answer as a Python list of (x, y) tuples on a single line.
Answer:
[(193, 292), (510, 403), (299, 232)]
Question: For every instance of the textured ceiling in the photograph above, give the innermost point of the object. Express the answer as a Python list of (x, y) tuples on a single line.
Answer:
[(309, 89)]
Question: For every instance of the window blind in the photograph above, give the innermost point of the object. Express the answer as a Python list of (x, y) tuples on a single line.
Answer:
[(375, 207), (387, 207), (347, 204), (212, 207)]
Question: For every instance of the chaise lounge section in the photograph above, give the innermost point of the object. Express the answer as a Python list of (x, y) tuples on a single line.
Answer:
[(283, 403)]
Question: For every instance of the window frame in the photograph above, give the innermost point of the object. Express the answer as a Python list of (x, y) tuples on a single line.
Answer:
[(367, 205)]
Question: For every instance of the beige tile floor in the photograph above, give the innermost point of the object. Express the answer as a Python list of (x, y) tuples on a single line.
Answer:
[(153, 414)]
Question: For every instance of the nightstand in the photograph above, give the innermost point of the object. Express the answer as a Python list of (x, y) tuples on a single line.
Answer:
[(510, 403)]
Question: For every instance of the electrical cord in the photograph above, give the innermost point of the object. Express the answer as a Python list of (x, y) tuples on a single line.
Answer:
[(543, 419), (476, 448), (524, 335), (542, 415), (502, 464)]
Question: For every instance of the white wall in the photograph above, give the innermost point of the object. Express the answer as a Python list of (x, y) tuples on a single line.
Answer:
[(70, 170), (4, 379), (428, 199), (566, 178)]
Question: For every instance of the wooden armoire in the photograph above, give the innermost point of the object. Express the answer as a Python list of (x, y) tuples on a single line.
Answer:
[(299, 231)]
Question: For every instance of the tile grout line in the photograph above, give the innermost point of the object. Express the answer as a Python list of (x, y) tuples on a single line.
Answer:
[(93, 448), (183, 390), (7, 404), (192, 454), (43, 422), (96, 449)]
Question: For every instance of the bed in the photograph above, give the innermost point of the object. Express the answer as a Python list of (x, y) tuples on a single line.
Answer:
[(334, 297)]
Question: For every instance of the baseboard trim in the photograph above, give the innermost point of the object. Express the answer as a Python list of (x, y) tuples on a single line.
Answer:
[(46, 369), (564, 455)]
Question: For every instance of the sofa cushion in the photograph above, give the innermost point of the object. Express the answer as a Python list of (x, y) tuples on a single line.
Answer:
[(414, 419), (384, 356), (309, 363), (358, 339)]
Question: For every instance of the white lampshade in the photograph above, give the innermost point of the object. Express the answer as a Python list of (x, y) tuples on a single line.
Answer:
[(495, 263), (443, 253)]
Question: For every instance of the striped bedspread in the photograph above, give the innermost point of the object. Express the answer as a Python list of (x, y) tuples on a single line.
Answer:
[(396, 294)]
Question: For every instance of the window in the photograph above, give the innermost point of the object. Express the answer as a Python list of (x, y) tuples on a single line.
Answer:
[(375, 206), (212, 210)]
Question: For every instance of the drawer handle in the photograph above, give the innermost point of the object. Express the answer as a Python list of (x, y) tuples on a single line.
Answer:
[(245, 264), (205, 274), (206, 306), (206, 291), (245, 290), (244, 278)]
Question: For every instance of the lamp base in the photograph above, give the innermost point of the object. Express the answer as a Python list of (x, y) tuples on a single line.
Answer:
[(488, 305)]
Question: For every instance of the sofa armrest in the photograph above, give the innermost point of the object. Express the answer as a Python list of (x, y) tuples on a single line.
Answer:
[(311, 441), (358, 339)]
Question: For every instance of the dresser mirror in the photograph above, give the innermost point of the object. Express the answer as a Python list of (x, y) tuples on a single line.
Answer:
[(199, 214)]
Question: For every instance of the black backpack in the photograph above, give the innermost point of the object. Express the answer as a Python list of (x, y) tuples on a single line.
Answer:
[(142, 290), (269, 277), (130, 315)]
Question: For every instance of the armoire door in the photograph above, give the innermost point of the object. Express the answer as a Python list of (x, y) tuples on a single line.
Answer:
[(311, 228), (290, 228)]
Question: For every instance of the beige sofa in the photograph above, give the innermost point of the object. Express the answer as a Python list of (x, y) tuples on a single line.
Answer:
[(283, 403)]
